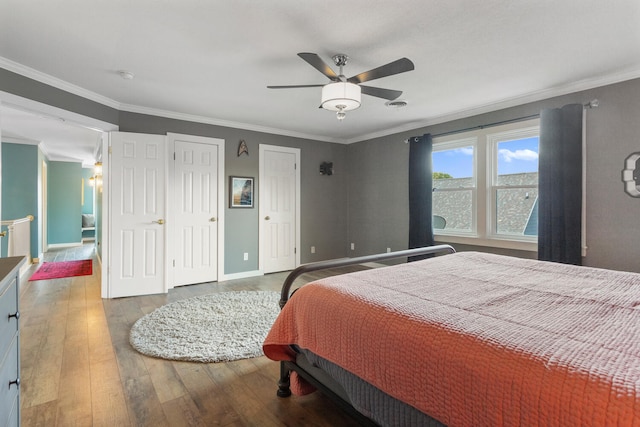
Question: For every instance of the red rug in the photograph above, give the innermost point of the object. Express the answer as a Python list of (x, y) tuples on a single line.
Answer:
[(57, 270)]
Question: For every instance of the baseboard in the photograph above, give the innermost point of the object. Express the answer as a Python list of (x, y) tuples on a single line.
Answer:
[(63, 245), (241, 275)]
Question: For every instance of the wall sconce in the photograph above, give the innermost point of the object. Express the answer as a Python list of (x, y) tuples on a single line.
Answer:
[(96, 180), (326, 168)]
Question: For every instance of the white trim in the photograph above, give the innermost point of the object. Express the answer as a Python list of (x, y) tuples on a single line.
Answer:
[(453, 142), (578, 86), (226, 123), (483, 232), (493, 243), (41, 109), (41, 77), (106, 217), (241, 275), (512, 132), (19, 140), (540, 95), (63, 245)]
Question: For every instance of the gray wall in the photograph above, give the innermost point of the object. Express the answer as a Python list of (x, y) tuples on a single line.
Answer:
[(323, 213), (365, 201), (27, 88), (378, 199)]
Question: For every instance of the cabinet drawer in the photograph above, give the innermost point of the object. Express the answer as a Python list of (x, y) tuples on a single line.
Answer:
[(8, 305), (8, 373)]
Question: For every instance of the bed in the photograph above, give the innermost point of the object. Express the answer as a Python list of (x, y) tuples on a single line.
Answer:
[(466, 339)]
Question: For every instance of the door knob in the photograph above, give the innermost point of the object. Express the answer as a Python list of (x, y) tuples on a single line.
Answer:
[(212, 219), (160, 221), (267, 218)]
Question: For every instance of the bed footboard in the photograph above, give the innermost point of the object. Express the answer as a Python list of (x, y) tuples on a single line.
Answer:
[(286, 367), (343, 262)]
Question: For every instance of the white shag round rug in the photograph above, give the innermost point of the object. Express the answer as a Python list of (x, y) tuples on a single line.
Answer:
[(212, 328)]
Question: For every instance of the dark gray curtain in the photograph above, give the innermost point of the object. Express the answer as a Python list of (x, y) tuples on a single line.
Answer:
[(420, 192), (560, 185)]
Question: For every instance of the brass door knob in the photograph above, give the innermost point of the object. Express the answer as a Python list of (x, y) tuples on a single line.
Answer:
[(212, 219), (267, 218), (160, 221)]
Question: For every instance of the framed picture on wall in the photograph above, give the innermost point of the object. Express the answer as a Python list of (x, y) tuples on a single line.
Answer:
[(240, 192)]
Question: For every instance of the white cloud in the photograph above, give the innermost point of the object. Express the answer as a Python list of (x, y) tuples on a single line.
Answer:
[(465, 150), (526, 155)]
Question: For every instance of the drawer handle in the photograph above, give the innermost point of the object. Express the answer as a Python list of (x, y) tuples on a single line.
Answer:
[(16, 315), (16, 383)]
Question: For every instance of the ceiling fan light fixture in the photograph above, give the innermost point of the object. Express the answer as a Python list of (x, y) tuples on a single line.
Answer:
[(341, 96)]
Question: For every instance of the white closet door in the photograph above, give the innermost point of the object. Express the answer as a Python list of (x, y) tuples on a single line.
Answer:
[(137, 173), (196, 212), (279, 208)]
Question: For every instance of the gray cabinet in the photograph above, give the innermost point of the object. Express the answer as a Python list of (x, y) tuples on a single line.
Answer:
[(9, 341)]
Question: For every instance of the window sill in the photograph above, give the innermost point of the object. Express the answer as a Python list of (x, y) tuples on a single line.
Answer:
[(494, 243)]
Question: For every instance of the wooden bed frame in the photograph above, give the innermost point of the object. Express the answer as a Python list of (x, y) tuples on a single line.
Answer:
[(286, 367)]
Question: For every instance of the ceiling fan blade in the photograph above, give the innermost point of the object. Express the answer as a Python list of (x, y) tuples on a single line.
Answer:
[(380, 92), (292, 86), (396, 67), (316, 62)]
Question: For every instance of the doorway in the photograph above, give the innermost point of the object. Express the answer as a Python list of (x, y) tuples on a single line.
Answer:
[(279, 214), (196, 209)]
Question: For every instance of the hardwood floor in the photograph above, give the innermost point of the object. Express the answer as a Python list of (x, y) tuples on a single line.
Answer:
[(78, 368)]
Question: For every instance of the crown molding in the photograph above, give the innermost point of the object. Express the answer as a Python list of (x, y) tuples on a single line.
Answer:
[(573, 87), (47, 79), (20, 140), (225, 123), (578, 86)]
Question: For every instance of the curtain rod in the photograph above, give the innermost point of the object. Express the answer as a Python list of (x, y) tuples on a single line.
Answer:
[(591, 104)]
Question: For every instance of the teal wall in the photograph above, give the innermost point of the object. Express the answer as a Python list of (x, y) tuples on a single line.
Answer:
[(64, 203), (20, 188)]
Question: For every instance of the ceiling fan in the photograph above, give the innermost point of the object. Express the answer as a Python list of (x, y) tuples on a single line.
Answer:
[(343, 94)]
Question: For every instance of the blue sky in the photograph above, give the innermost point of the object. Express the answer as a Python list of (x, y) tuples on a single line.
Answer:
[(515, 156)]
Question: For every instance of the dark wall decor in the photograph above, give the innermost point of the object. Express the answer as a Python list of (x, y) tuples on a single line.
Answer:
[(631, 175), (326, 168)]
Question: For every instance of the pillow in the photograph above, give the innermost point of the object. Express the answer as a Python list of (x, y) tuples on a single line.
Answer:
[(88, 220)]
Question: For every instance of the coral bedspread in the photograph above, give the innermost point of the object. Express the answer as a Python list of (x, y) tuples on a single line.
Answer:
[(476, 339)]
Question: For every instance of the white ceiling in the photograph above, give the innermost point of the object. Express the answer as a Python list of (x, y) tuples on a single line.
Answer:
[(212, 60)]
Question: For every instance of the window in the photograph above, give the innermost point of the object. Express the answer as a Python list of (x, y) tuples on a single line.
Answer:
[(454, 186), (486, 186)]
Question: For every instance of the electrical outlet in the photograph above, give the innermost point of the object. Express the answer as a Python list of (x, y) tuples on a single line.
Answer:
[(353, 246), (246, 256), (313, 249), (388, 250)]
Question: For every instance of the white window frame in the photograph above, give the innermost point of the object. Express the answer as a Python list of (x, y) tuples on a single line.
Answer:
[(452, 145), (485, 174)]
